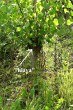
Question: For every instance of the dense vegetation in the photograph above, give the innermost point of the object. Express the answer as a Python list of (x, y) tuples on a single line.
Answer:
[(36, 54)]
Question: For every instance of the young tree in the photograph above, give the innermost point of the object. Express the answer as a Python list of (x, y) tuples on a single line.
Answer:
[(29, 23)]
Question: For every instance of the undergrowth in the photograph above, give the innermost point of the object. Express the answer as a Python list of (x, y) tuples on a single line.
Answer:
[(51, 93)]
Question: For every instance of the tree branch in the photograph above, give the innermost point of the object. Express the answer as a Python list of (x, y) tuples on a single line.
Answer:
[(20, 9)]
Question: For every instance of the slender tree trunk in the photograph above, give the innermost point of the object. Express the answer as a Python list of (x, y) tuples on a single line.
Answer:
[(38, 61)]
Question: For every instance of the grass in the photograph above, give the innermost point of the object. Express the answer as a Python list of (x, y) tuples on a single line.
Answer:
[(52, 92)]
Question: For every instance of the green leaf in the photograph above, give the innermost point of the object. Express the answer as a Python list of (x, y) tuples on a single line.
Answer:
[(32, 92), (46, 108), (55, 21), (49, 40), (24, 93), (18, 29), (61, 20), (71, 13), (65, 10), (69, 22), (70, 5), (61, 100), (1, 102)]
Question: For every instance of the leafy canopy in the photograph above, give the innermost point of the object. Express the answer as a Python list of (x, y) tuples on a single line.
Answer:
[(21, 23)]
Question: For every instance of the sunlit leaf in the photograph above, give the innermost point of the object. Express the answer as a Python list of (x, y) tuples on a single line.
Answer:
[(55, 21), (41, 8), (71, 13), (46, 108), (69, 5), (65, 10), (18, 29), (69, 22)]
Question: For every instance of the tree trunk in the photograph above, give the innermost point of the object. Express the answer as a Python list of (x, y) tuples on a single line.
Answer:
[(38, 59)]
